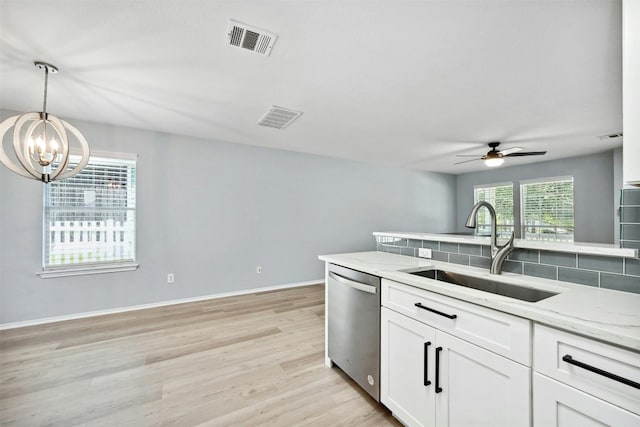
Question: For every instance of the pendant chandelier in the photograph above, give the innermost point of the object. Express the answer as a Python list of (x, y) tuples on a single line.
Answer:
[(41, 142)]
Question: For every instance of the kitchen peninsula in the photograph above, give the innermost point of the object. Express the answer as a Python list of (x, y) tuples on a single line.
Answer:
[(442, 344)]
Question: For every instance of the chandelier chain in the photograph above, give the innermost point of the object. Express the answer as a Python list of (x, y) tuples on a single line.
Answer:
[(46, 82)]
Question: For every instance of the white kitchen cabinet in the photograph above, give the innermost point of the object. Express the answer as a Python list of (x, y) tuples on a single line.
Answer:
[(631, 92), (479, 388), (406, 353), (553, 346), (465, 384), (559, 405), (582, 382)]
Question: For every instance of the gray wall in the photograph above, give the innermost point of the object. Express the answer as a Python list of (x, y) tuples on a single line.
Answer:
[(210, 212), (593, 191)]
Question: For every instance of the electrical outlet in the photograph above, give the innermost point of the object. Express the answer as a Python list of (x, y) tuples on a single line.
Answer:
[(258, 269), (424, 252), (171, 278)]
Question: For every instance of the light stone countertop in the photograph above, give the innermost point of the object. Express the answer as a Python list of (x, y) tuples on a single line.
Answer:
[(607, 315), (604, 249)]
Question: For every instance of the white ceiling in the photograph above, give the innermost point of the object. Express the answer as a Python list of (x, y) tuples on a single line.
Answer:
[(405, 83)]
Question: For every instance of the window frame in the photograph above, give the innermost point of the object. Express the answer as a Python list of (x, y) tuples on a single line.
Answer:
[(95, 267), (513, 206), (547, 180)]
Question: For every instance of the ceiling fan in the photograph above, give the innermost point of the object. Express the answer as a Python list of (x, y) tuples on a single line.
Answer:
[(496, 157)]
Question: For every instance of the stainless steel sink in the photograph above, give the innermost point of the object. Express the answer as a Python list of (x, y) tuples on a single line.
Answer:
[(481, 284)]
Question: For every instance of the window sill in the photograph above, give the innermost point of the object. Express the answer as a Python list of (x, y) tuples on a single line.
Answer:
[(88, 269)]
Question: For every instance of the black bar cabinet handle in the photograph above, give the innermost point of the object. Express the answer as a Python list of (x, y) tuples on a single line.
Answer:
[(426, 381), (570, 360), (449, 316), (438, 388)]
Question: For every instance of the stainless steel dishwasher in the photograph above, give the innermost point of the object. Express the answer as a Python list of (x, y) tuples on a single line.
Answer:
[(354, 325)]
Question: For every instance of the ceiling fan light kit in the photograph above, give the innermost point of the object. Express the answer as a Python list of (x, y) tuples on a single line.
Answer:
[(496, 157), (493, 162), (41, 142)]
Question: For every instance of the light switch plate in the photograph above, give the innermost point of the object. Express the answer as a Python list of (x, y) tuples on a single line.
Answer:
[(424, 252)]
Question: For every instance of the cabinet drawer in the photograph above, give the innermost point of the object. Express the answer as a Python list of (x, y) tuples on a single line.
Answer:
[(552, 345), (502, 333), (558, 405)]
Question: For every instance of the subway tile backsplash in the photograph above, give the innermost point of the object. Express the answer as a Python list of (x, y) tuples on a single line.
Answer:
[(430, 245), (630, 232), (630, 218), (540, 270), (620, 282), (600, 263), (562, 259), (459, 259), (440, 256), (630, 214), (630, 197), (583, 277), (470, 249), (617, 273), (449, 247), (510, 266), (529, 255), (479, 261), (632, 266)]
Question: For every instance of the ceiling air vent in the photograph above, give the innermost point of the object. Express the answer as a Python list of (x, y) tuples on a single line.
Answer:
[(610, 137), (278, 117), (250, 38)]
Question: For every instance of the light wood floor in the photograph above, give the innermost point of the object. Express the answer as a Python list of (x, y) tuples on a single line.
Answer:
[(240, 361)]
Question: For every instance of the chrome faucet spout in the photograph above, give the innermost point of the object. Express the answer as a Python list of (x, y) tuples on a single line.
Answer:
[(498, 253), (472, 223)]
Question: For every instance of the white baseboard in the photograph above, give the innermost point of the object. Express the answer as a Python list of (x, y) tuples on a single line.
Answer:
[(14, 325)]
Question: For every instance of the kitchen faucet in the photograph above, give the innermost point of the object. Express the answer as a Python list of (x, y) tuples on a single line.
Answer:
[(498, 253)]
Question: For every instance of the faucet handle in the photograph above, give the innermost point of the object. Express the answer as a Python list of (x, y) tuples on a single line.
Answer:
[(497, 259), (510, 241)]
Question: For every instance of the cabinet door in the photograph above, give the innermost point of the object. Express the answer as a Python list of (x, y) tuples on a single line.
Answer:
[(406, 350), (479, 388), (559, 405), (631, 91)]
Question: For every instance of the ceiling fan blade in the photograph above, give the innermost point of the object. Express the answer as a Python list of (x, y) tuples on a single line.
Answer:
[(469, 155), (467, 161), (527, 153), (511, 150)]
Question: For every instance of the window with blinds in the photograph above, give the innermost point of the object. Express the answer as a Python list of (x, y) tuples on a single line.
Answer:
[(547, 209), (90, 218), (500, 196)]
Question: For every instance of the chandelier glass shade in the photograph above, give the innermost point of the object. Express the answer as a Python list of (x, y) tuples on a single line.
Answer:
[(41, 142)]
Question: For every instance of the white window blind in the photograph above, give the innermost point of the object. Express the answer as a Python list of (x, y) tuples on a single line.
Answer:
[(500, 196), (547, 209), (90, 218)]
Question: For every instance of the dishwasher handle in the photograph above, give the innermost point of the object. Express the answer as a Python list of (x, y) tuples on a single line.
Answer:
[(352, 283)]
